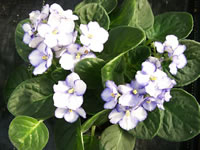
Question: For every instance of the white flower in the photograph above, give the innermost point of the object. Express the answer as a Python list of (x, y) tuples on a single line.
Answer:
[(93, 36)]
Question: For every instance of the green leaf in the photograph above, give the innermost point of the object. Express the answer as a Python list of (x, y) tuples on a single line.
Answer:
[(91, 142), (95, 120), (20, 74), (181, 117), (33, 97), (22, 49), (134, 59), (68, 136), (149, 127), (123, 14), (89, 70), (94, 12), (121, 40), (59, 74), (27, 133), (176, 23), (143, 16), (191, 71), (114, 70), (116, 139), (92, 101), (108, 5)]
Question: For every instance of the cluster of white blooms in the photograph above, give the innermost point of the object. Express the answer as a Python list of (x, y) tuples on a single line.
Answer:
[(51, 31)]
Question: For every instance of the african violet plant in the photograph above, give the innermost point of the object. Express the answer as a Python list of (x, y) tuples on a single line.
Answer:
[(109, 72)]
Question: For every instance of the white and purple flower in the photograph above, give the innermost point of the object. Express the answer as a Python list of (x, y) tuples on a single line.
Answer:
[(69, 93), (127, 117), (110, 95), (74, 54), (41, 58), (93, 36)]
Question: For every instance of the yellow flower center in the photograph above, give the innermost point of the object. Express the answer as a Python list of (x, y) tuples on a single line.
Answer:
[(70, 91), (90, 36), (128, 113), (70, 110), (148, 102), (44, 21), (112, 94), (135, 92), (86, 52), (44, 57), (55, 31), (153, 78), (78, 56)]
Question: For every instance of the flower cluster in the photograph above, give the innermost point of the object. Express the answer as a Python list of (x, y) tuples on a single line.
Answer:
[(130, 102), (52, 30), (175, 52), (68, 98)]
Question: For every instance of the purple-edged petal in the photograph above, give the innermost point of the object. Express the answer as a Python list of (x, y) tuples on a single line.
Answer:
[(27, 38), (128, 122), (71, 116), (129, 100), (35, 42), (60, 112), (139, 113), (41, 68), (149, 105), (74, 102), (81, 112), (110, 105), (79, 87), (71, 78), (173, 69), (148, 67), (26, 27), (141, 78), (115, 116), (106, 95), (182, 61), (179, 50), (124, 89)]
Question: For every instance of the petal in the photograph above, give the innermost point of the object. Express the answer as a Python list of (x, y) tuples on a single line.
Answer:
[(148, 67), (115, 116), (182, 61), (74, 101), (26, 27), (141, 78), (152, 89), (79, 87), (129, 100), (35, 57), (159, 47), (51, 40), (101, 35), (85, 40), (55, 8), (26, 38), (124, 89), (54, 21), (179, 50), (67, 61), (93, 26), (128, 122), (73, 48), (71, 78), (112, 86), (171, 40), (59, 51), (44, 29), (35, 42), (81, 112), (60, 99), (71, 116), (173, 69), (69, 15), (149, 105), (60, 112), (84, 29), (66, 26), (65, 39), (110, 104), (139, 113), (96, 47), (41, 68), (106, 95), (61, 87)]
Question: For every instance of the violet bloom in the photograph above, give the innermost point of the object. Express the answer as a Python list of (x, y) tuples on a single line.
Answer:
[(41, 58), (132, 94), (110, 95), (175, 52), (127, 117), (70, 115), (93, 36), (69, 93), (74, 54)]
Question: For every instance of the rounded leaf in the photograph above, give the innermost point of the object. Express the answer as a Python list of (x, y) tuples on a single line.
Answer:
[(26, 133), (181, 117)]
